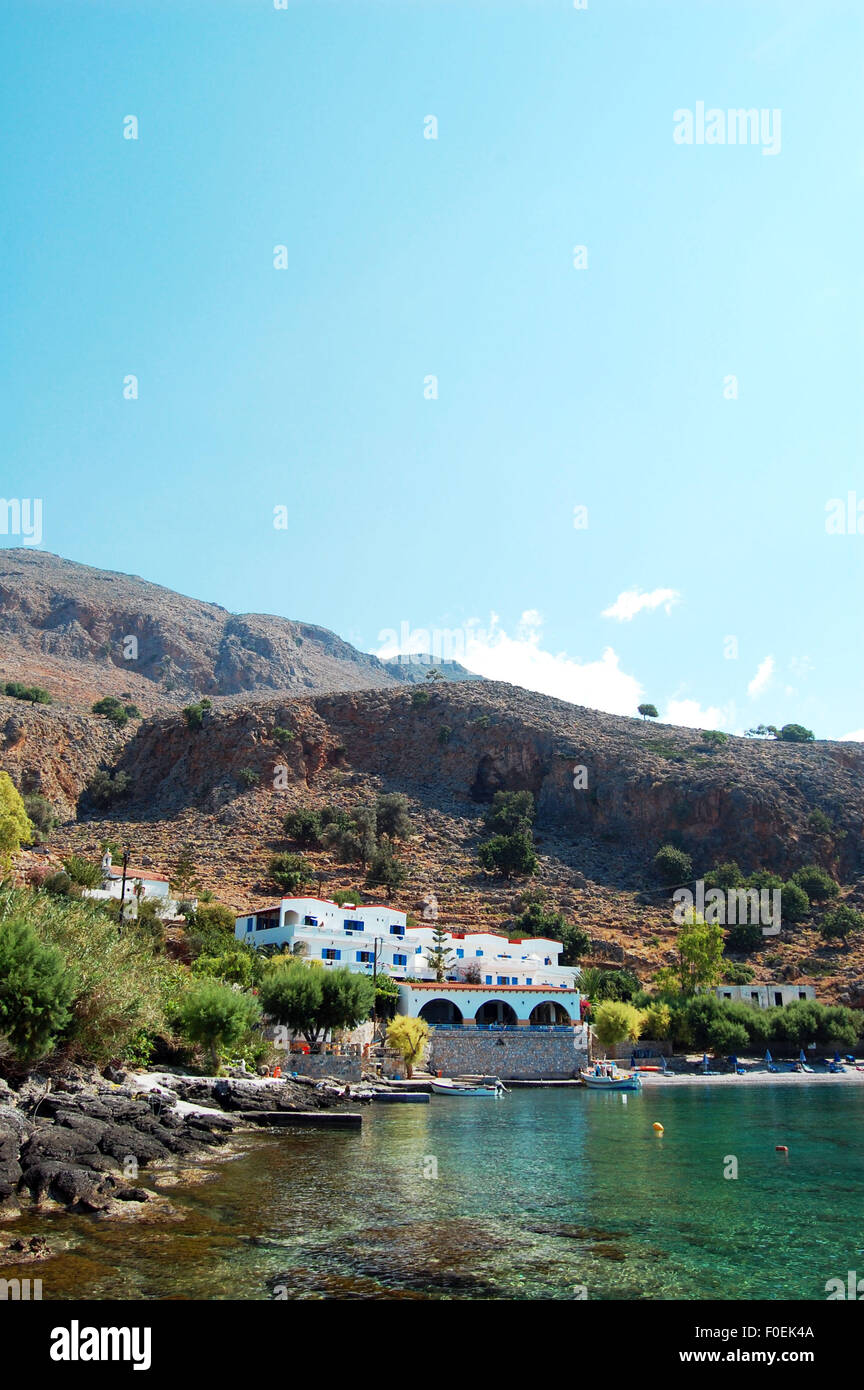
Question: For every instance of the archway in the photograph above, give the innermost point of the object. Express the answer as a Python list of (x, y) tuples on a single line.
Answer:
[(495, 1011), (440, 1011), (549, 1011), (292, 918)]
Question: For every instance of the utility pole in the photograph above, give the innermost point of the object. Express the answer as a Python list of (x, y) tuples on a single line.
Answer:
[(123, 884), (375, 941)]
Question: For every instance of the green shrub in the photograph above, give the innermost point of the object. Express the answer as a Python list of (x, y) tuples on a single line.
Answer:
[(420, 697), (284, 737), (33, 693), (724, 876), (392, 817), (248, 777), (839, 922), (819, 822), (511, 813), (115, 710), (746, 937), (82, 872), (816, 882), (217, 1017), (305, 827), (511, 855), (795, 733), (104, 790), (385, 870), (794, 902), (673, 865), (16, 828), (290, 872), (41, 814), (59, 884), (194, 714), (738, 975), (725, 1036), (35, 991), (714, 738), (445, 734), (614, 1021)]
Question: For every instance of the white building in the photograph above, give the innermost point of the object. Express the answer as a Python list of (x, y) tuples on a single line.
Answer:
[(349, 935), (765, 996), (493, 960), (452, 1004), (140, 884), (353, 935)]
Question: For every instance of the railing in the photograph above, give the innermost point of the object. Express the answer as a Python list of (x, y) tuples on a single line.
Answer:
[(505, 1027)]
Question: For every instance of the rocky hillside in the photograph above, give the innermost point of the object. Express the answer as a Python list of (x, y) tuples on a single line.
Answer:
[(448, 748), (82, 633)]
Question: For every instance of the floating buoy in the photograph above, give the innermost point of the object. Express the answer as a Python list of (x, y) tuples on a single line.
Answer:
[(658, 1129), (781, 1148)]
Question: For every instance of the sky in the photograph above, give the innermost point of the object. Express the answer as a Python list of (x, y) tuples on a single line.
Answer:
[(426, 322)]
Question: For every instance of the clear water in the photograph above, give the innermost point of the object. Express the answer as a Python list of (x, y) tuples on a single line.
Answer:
[(535, 1194)]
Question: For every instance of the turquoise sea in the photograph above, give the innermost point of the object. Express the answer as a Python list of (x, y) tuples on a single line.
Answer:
[(535, 1196)]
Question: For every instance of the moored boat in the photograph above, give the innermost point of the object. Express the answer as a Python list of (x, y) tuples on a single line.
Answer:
[(444, 1086), (605, 1077)]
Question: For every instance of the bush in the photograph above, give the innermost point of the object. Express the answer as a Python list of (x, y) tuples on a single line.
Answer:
[(115, 710), (290, 872), (385, 870), (15, 825), (33, 693), (35, 991), (408, 1037), (738, 975), (217, 1017), (310, 1000), (82, 872), (511, 813), (648, 711), (210, 928), (658, 1021), (391, 816), (41, 814), (284, 737), (714, 738), (725, 1036), (839, 922), (744, 938), (103, 789), (510, 855), (305, 827), (239, 965), (194, 714), (819, 822), (816, 882), (673, 865), (724, 876), (614, 1021), (248, 777), (794, 902), (420, 697), (795, 733), (59, 884)]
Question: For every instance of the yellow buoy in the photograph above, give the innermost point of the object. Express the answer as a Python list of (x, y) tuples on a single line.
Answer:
[(658, 1129)]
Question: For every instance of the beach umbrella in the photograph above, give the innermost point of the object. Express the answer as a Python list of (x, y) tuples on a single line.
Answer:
[(768, 1057), (802, 1055), (837, 1058)]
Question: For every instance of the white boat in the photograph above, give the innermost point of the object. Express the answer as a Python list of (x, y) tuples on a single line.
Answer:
[(605, 1077), (444, 1086)]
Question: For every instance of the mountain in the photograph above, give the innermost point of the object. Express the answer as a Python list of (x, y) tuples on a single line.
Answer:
[(82, 633)]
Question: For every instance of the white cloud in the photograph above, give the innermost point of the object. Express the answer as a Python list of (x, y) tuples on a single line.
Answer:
[(857, 736), (762, 678), (631, 602), (690, 715), (521, 660)]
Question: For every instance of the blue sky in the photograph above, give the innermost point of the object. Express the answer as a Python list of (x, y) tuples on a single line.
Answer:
[(406, 257)]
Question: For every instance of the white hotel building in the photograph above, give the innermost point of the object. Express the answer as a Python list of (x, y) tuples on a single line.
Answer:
[(353, 935)]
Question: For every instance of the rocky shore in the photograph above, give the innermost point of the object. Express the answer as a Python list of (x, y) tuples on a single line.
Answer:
[(78, 1142)]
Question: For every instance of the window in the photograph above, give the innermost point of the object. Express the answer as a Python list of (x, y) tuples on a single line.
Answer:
[(397, 931), (778, 997), (365, 957), (488, 979), (353, 924), (727, 994), (329, 954), (528, 980), (400, 960), (250, 925), (503, 979), (460, 953), (754, 994), (802, 994), (479, 953), (548, 960), (310, 921)]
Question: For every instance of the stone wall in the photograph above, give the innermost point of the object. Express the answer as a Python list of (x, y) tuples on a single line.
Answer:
[(319, 1064), (520, 1054)]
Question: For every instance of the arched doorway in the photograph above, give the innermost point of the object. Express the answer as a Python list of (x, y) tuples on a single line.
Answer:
[(495, 1011), (548, 1012), (441, 1011)]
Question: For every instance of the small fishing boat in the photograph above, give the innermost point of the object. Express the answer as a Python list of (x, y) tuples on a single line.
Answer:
[(605, 1077), (444, 1086)]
